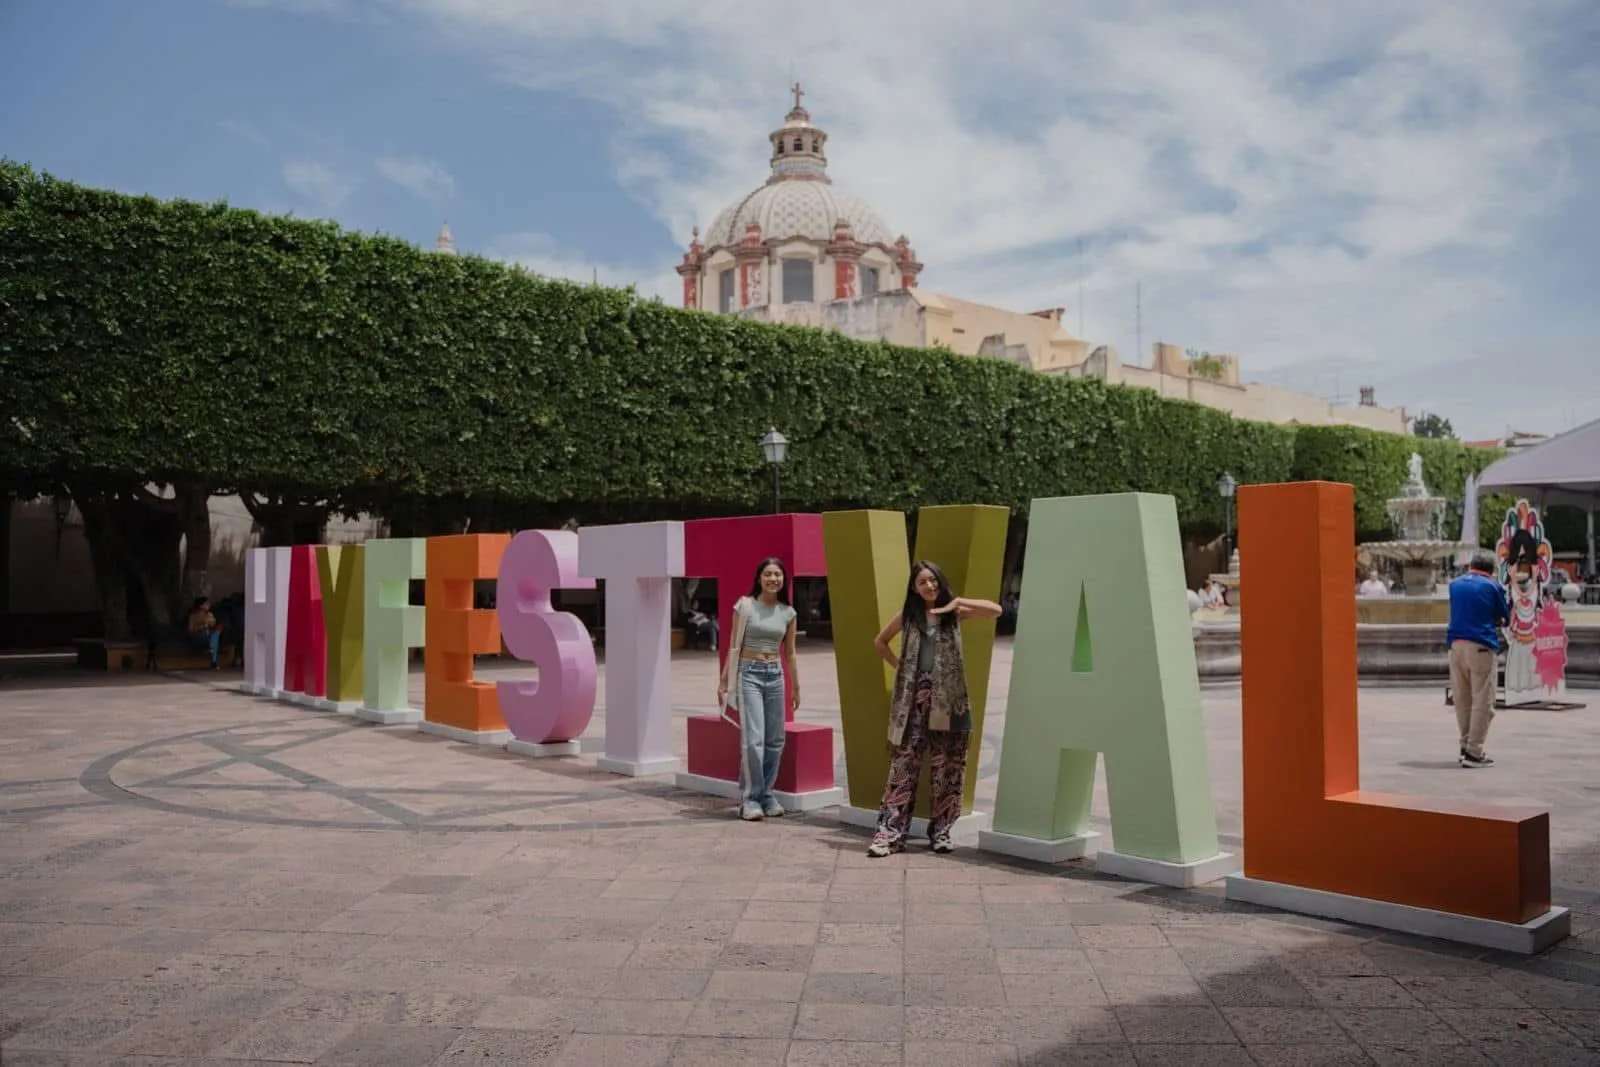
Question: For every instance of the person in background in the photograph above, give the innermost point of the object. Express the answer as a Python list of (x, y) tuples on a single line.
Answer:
[(1478, 608), (1373, 586), (763, 632), (202, 630), (930, 713), (700, 625)]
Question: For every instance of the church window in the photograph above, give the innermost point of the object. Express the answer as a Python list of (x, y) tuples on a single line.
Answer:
[(869, 280), (799, 145), (797, 281), (725, 291)]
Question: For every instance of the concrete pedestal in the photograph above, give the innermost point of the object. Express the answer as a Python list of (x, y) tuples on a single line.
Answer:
[(545, 750), (638, 769), (1035, 849), (494, 738), (810, 800), (333, 707), (390, 716), (1526, 939), (1162, 872), (806, 765)]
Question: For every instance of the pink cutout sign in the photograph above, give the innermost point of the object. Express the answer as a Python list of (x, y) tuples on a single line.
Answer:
[(1550, 646), (559, 704)]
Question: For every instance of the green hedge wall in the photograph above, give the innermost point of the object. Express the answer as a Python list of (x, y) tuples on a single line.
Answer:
[(148, 340), (1375, 463)]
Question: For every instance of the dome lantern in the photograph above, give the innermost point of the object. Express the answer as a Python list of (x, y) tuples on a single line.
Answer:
[(798, 147)]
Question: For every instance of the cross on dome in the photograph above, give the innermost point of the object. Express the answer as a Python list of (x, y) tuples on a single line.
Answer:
[(798, 147)]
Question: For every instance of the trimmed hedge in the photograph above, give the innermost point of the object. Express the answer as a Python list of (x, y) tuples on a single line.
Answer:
[(143, 340)]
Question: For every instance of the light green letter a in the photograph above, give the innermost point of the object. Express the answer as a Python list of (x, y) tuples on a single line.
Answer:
[(1104, 664)]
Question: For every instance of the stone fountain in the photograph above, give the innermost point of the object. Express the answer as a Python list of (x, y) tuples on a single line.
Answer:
[(1418, 518)]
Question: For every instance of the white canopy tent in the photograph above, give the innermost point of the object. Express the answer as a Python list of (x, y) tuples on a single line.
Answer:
[(1562, 470)]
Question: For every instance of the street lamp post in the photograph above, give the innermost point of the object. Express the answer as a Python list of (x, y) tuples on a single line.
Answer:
[(776, 447), (1225, 488)]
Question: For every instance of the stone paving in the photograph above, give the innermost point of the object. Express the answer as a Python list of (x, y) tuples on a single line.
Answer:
[(189, 876)]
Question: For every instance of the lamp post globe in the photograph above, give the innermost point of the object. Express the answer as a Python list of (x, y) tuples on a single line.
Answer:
[(1225, 489), (776, 448)]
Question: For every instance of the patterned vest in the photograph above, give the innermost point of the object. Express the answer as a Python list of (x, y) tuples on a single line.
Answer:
[(952, 710)]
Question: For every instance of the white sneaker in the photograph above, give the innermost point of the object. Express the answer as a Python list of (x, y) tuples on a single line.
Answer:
[(881, 848), (772, 809), (750, 812)]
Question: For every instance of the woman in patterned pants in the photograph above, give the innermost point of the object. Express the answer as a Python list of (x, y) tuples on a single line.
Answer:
[(930, 715)]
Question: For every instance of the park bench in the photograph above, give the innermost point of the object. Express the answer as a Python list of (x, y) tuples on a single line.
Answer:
[(169, 650)]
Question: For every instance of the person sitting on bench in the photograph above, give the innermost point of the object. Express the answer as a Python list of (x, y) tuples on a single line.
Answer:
[(203, 631), (697, 624)]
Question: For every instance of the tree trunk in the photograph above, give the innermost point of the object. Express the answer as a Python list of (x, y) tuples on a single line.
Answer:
[(133, 540), (194, 504), (1016, 543), (6, 506), (287, 522)]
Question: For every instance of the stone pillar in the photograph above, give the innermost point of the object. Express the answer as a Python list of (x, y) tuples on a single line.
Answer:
[(692, 270), (906, 260), (846, 262), (751, 256)]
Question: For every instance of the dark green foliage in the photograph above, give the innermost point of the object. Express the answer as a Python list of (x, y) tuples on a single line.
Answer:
[(1430, 425), (148, 341), (1375, 463)]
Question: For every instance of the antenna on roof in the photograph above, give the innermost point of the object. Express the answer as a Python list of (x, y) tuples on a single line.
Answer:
[(1080, 288), (1138, 322)]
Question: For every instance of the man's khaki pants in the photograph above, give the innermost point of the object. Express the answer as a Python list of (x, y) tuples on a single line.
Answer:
[(1472, 677)]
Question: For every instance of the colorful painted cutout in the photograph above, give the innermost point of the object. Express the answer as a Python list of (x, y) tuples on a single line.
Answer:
[(559, 704), (1525, 562), (1307, 822), (1104, 665)]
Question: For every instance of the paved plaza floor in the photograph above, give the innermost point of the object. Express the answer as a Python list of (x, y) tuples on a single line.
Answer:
[(191, 876)]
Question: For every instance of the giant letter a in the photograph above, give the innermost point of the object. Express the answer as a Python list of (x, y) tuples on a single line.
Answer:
[(1104, 664)]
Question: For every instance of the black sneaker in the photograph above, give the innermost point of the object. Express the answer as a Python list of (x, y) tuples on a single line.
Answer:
[(1469, 760)]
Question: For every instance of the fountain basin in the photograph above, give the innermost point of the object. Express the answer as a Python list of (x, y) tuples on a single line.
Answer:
[(1402, 610), (1397, 654)]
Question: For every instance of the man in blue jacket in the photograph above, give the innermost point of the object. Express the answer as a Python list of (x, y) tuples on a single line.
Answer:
[(1478, 608)]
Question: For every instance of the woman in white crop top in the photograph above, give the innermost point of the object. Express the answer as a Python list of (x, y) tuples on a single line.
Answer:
[(763, 634)]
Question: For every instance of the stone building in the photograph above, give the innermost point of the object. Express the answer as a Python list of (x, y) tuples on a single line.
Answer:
[(799, 249)]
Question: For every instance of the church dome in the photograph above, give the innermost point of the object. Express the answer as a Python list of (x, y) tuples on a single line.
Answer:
[(809, 209), (799, 200)]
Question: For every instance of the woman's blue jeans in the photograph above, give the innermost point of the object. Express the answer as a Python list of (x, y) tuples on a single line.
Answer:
[(761, 728)]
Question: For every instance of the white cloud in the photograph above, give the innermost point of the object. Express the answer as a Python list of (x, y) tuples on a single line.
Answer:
[(323, 184), (422, 178), (1287, 182), (540, 254)]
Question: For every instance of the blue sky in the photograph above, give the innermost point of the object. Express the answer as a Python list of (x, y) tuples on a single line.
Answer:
[(1400, 194)]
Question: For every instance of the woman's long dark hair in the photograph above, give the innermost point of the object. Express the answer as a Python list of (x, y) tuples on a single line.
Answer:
[(755, 583), (915, 612)]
